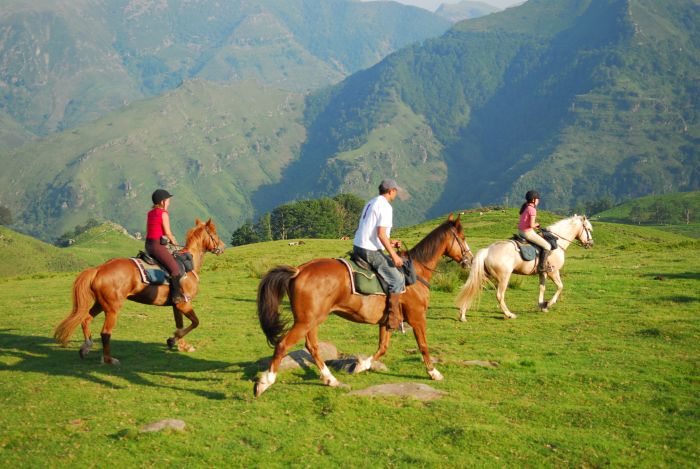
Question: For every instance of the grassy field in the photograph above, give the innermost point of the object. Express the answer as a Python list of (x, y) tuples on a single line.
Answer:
[(609, 377)]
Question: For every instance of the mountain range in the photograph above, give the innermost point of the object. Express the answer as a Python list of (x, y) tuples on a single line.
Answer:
[(66, 62), (580, 99)]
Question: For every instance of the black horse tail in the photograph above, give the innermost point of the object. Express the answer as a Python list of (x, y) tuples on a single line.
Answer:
[(271, 290)]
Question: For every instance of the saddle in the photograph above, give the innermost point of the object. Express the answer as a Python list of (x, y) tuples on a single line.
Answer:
[(154, 273), (366, 281), (529, 251)]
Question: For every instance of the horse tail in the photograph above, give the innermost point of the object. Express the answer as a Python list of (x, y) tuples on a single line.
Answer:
[(474, 284), (271, 290), (83, 299)]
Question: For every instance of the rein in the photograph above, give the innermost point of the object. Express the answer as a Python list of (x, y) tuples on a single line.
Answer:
[(464, 247), (576, 240)]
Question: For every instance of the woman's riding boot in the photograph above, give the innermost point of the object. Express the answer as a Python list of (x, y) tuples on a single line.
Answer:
[(544, 265), (395, 318), (176, 295)]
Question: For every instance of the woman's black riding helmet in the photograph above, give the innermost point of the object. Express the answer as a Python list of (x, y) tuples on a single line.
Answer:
[(160, 195), (532, 195)]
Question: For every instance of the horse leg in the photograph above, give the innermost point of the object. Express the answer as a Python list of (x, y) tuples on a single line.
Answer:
[(179, 324), (87, 335), (180, 333), (312, 346), (501, 296), (556, 278), (268, 378), (418, 325), (540, 299), (106, 335), (366, 364)]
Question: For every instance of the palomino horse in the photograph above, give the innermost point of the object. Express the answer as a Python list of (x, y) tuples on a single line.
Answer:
[(104, 288), (498, 261), (322, 286)]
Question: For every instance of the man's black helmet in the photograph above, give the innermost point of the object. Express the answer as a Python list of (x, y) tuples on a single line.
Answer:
[(532, 195), (160, 195)]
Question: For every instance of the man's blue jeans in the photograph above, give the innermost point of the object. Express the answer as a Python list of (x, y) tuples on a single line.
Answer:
[(384, 266)]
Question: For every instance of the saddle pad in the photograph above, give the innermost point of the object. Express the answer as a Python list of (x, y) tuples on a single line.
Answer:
[(362, 281), (151, 273), (527, 251)]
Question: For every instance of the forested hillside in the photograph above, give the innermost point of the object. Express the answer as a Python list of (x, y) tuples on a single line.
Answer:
[(211, 145), (580, 99), (65, 62)]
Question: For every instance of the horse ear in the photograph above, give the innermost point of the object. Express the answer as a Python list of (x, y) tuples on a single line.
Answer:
[(209, 223), (459, 215), (197, 221), (451, 217)]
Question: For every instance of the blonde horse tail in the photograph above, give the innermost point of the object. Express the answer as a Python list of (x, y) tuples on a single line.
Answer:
[(271, 290), (471, 290), (83, 299)]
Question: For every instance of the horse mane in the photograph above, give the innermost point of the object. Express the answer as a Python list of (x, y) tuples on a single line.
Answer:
[(565, 221), (426, 247), (196, 233)]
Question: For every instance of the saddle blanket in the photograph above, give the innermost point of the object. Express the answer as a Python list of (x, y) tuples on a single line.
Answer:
[(152, 274), (362, 281)]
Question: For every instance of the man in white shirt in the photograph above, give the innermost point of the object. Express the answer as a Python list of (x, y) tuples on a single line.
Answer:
[(372, 237)]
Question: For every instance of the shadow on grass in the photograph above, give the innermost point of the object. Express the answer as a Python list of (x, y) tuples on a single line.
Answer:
[(140, 360), (680, 275)]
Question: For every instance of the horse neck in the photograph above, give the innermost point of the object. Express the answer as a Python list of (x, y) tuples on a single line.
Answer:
[(194, 247), (566, 232), (426, 267)]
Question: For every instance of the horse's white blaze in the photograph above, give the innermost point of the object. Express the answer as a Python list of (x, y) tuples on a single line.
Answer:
[(328, 377), (435, 374)]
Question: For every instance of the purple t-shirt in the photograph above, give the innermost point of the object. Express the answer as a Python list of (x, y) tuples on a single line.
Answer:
[(526, 218)]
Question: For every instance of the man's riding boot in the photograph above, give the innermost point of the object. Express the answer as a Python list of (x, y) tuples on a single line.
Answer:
[(395, 318), (176, 295), (544, 265)]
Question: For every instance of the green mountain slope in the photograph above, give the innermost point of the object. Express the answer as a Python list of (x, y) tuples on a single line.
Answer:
[(66, 62), (464, 10), (24, 255), (580, 99), (211, 145)]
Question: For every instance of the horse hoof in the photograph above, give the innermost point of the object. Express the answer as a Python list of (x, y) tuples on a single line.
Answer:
[(83, 353), (510, 316), (463, 319), (110, 361), (258, 388), (435, 375), (171, 343), (185, 347)]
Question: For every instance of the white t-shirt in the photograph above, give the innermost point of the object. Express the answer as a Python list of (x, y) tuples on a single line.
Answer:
[(377, 212)]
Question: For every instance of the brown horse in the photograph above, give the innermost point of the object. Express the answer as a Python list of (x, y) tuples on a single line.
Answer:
[(501, 259), (322, 286), (104, 288)]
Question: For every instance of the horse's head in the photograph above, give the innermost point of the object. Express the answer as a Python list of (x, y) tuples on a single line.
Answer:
[(585, 234), (457, 247), (209, 238)]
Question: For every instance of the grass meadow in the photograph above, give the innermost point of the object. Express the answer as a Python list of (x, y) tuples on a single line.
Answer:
[(609, 377)]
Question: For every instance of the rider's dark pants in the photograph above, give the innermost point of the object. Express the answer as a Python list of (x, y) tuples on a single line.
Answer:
[(162, 255)]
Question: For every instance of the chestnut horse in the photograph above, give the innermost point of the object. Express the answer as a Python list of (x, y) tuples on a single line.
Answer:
[(104, 288), (501, 259), (322, 286)]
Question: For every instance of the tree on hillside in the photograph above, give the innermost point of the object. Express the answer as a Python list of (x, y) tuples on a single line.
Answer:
[(351, 208), (245, 234), (5, 215)]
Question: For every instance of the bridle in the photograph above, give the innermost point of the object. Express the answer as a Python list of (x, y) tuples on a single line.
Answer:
[(589, 237), (463, 246), (216, 250)]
